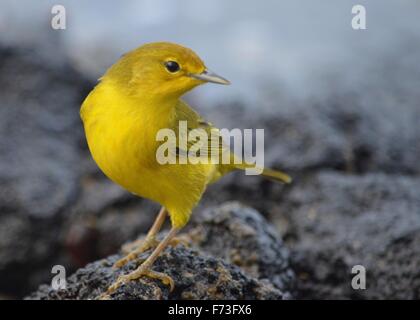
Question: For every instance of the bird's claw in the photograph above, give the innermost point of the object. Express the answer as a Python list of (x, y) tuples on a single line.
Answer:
[(141, 271)]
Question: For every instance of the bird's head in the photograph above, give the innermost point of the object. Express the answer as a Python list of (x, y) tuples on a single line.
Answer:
[(161, 69)]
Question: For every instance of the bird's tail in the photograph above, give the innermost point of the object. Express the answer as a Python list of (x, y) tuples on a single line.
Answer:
[(268, 173), (276, 175)]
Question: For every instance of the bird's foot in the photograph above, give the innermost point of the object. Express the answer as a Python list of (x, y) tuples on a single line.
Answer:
[(142, 271), (137, 247), (145, 268)]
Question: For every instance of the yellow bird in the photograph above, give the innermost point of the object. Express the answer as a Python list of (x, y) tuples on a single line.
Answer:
[(138, 96)]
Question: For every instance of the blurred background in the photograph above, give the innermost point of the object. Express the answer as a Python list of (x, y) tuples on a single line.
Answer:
[(340, 109)]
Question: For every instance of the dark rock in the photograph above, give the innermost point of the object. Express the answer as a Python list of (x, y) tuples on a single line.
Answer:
[(39, 134), (196, 277), (39, 162), (241, 236), (337, 221), (234, 254)]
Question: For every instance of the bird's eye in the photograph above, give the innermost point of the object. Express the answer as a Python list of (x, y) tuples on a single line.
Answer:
[(172, 66)]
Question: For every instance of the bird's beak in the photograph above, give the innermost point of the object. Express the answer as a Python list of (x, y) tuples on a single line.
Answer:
[(209, 76)]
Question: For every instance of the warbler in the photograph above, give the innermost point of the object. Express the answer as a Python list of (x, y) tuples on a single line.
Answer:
[(136, 98)]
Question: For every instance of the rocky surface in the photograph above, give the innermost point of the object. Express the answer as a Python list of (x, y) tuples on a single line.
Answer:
[(241, 236), (40, 161), (353, 154), (233, 253), (339, 221)]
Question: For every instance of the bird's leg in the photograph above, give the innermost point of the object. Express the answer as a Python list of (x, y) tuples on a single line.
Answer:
[(139, 246), (145, 268)]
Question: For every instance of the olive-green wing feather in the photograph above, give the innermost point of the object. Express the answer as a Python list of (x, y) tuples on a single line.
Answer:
[(209, 143), (201, 137)]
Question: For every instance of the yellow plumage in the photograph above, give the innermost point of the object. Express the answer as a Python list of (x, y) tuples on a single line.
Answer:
[(123, 143), (138, 96)]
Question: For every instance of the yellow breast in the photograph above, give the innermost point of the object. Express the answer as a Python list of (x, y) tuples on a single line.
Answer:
[(121, 136)]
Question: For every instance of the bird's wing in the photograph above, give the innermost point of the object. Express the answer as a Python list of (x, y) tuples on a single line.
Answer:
[(201, 137), (210, 146)]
